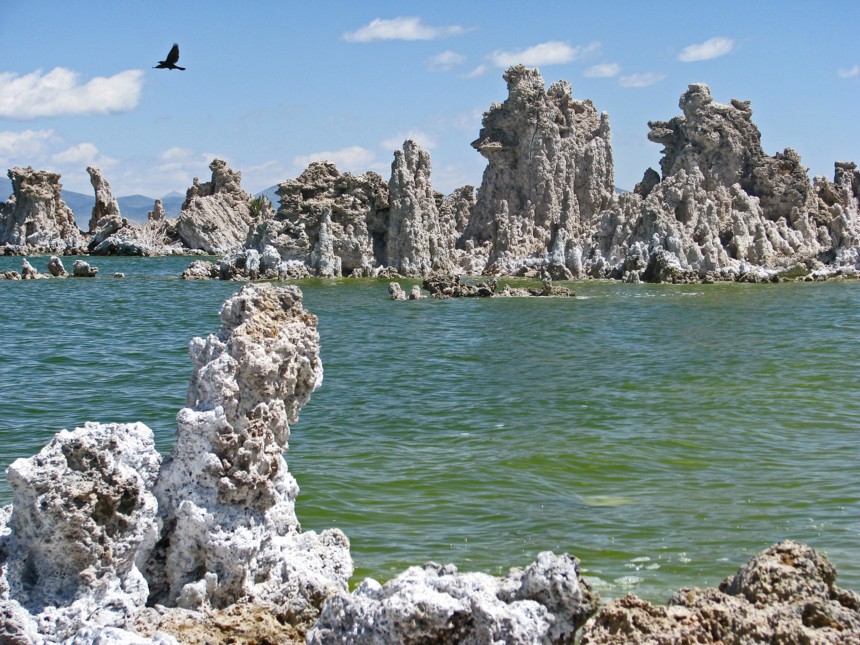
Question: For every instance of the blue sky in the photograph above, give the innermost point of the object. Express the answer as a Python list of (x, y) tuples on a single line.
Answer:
[(271, 86)]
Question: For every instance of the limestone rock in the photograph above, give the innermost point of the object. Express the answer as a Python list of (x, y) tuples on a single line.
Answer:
[(157, 213), (36, 216), (334, 223), (545, 603), (28, 271), (722, 209), (785, 595), (200, 270), (106, 206), (82, 269), (416, 242), (81, 513), (225, 495), (395, 291), (56, 268), (549, 171), (216, 214)]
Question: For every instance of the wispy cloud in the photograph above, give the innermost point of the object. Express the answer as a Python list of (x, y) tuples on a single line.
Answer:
[(552, 52), (850, 72), (445, 61), (603, 70), (353, 159), (423, 139), (60, 92), (82, 155), (480, 70), (27, 147), (713, 48), (641, 80), (403, 28)]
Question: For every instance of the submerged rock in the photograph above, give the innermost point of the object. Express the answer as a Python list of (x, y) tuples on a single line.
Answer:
[(82, 269), (545, 603), (785, 595)]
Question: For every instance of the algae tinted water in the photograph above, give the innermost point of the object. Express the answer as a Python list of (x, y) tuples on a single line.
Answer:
[(662, 434)]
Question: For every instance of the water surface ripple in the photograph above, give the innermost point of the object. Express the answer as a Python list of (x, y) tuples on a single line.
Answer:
[(663, 434)]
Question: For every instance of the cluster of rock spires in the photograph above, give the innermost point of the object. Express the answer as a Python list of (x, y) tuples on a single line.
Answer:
[(106, 542), (719, 209)]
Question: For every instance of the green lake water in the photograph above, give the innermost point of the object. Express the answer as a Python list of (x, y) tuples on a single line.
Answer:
[(662, 434)]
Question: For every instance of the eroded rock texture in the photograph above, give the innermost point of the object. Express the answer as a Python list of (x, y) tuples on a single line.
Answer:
[(721, 206), (216, 214), (36, 216), (418, 241), (225, 495), (545, 603), (71, 543), (334, 223), (785, 595), (549, 172)]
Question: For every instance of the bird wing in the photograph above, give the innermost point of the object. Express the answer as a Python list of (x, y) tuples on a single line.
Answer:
[(173, 56)]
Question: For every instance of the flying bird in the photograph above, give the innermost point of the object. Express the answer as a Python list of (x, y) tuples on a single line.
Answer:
[(170, 61)]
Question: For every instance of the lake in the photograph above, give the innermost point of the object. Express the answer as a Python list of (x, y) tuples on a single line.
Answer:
[(663, 434)]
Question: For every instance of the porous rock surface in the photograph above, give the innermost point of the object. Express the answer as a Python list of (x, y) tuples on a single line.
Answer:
[(549, 173), (721, 207), (334, 223), (418, 240), (72, 541), (35, 215), (544, 603), (226, 498), (784, 595), (105, 543), (216, 214)]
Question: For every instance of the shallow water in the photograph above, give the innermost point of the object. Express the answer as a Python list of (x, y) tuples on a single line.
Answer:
[(663, 434)]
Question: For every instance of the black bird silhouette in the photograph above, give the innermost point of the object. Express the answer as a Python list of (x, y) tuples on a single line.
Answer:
[(170, 61)]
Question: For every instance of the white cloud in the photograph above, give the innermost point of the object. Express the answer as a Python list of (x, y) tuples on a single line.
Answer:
[(82, 155), (641, 80), (603, 70), (18, 148), (445, 61), (480, 70), (426, 141), (849, 73), (352, 159), (59, 92), (403, 28), (552, 52), (707, 50)]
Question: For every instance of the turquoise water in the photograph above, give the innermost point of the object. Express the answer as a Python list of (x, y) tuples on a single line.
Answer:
[(663, 434)]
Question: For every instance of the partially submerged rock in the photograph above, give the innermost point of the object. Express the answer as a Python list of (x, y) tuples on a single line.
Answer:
[(544, 603), (82, 269), (785, 595)]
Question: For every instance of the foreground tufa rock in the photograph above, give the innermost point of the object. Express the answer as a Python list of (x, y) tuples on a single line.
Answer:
[(100, 542), (81, 518), (226, 498), (785, 595), (545, 603)]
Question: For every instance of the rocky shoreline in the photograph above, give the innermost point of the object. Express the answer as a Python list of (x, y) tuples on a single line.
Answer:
[(719, 209), (107, 541)]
